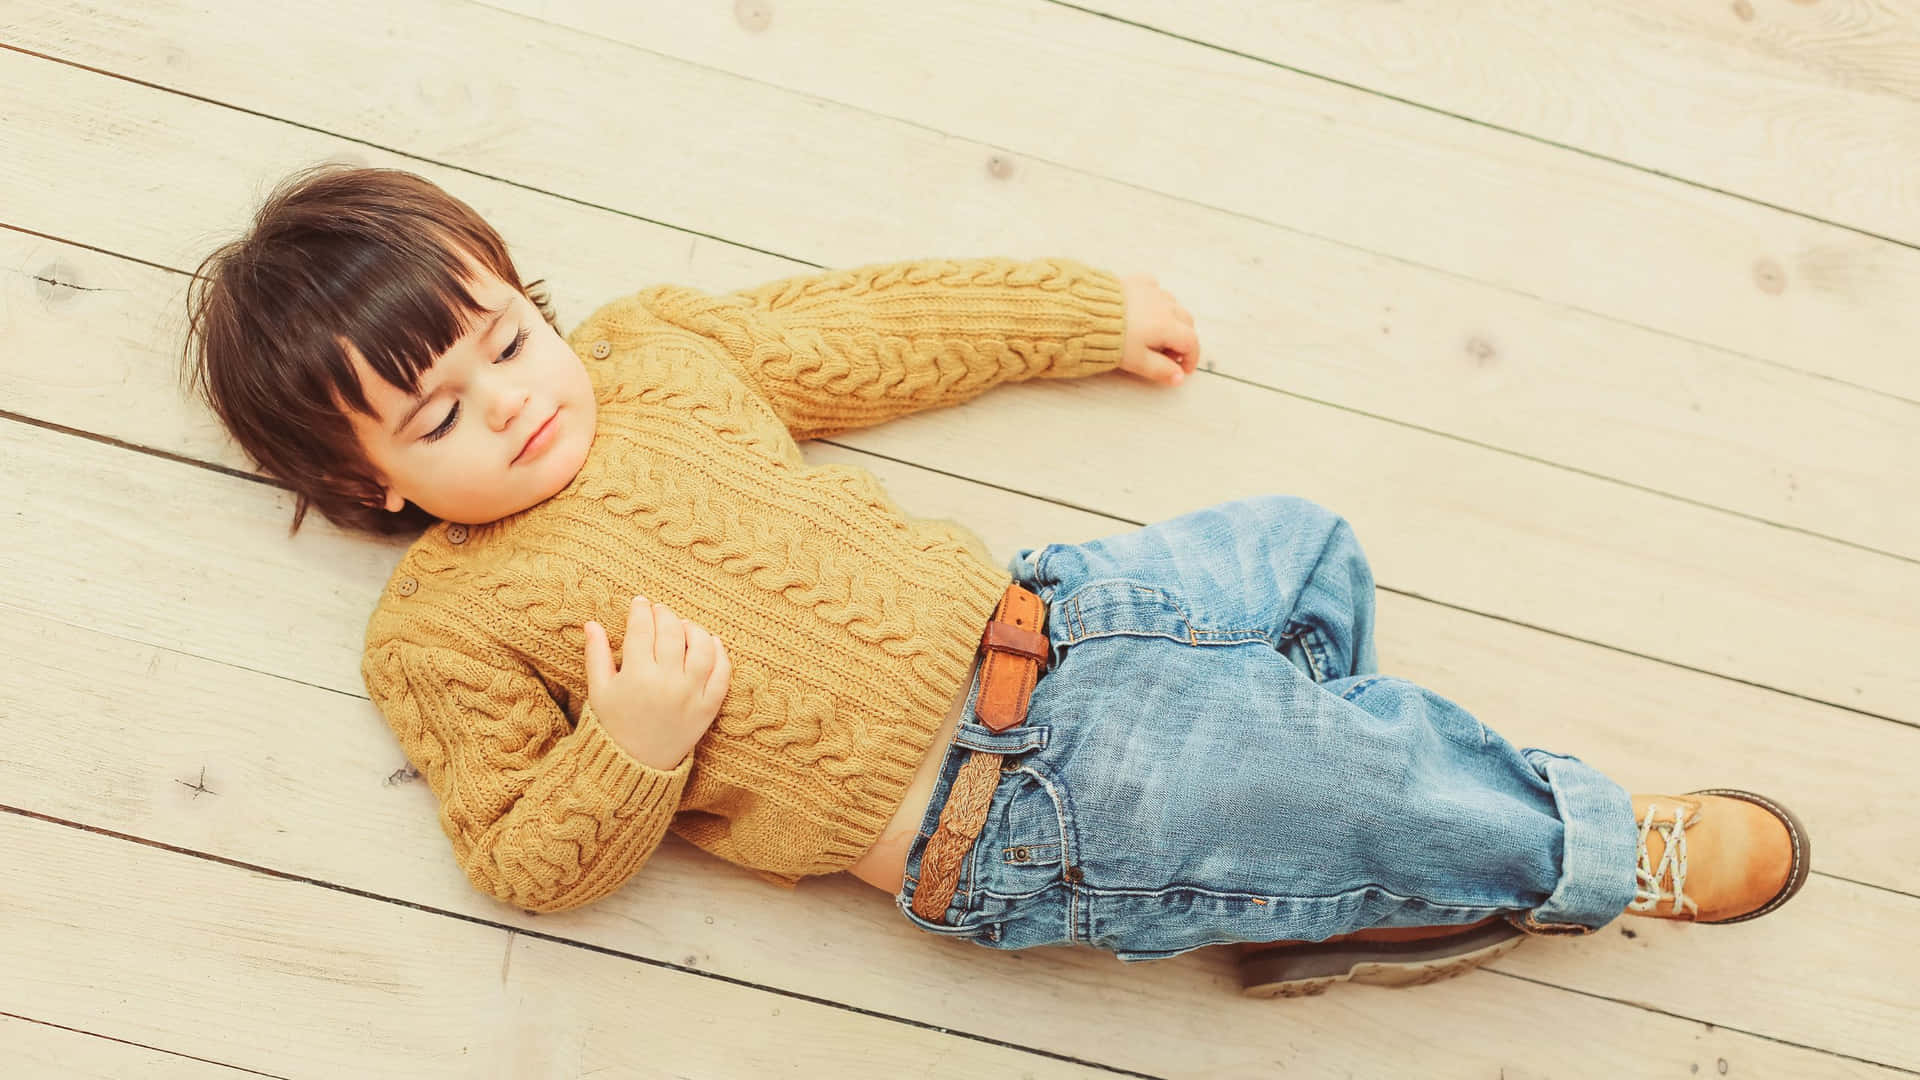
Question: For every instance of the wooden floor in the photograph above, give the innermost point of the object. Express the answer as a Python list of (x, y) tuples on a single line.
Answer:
[(1598, 321)]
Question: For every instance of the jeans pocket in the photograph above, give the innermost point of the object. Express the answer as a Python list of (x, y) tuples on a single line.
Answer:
[(1026, 836)]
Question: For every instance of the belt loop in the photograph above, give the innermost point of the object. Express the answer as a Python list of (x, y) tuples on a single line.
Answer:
[(1016, 650)]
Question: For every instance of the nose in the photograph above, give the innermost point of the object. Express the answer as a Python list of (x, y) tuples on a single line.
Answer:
[(506, 405)]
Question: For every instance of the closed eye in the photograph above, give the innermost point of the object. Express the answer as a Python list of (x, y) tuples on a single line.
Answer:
[(446, 425)]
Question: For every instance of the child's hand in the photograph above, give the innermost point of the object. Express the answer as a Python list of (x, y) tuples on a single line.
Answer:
[(1156, 325), (673, 676)]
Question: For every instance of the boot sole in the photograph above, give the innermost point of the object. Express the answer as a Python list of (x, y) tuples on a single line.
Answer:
[(1305, 970), (1796, 833)]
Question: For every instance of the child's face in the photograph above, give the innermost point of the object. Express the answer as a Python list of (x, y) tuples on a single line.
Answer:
[(459, 457)]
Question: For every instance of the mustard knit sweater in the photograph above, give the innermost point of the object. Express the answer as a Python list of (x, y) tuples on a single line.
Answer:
[(850, 624)]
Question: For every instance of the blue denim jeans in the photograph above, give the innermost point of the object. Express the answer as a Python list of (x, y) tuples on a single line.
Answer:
[(1211, 757)]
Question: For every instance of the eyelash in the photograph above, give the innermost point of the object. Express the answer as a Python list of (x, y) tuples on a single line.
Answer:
[(446, 425)]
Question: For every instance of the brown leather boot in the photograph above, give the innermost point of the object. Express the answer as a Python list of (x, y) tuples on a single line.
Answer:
[(1716, 856), (1394, 956)]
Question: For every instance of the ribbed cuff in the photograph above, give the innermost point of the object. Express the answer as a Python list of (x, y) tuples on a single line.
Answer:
[(629, 786), (1103, 300)]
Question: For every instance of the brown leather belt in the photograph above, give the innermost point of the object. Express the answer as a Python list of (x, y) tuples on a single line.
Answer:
[(1016, 652)]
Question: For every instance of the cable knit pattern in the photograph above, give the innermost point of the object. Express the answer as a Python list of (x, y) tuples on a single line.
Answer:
[(850, 624)]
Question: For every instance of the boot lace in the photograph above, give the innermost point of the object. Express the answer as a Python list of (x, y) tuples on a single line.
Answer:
[(1647, 892)]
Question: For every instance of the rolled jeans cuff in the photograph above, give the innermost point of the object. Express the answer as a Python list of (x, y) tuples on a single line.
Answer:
[(1600, 853)]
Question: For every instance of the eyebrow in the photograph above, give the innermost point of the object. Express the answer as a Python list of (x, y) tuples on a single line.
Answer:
[(420, 400)]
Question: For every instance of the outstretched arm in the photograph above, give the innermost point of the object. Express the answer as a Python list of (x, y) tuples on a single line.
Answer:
[(844, 349)]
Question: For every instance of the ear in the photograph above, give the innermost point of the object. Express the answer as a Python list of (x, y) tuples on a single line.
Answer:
[(387, 499), (381, 498)]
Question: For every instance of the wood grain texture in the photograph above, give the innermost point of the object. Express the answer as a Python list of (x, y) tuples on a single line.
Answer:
[(1442, 519), (1053, 84), (328, 800), (1809, 105), (284, 976), (1361, 329), (1633, 460), (44, 1052)]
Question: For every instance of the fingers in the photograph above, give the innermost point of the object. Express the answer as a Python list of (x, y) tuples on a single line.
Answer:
[(653, 632), (1183, 341), (669, 638), (640, 631), (599, 657), (722, 674), (701, 648)]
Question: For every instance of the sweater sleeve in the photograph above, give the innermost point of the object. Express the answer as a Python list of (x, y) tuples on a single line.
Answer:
[(540, 816), (845, 349)]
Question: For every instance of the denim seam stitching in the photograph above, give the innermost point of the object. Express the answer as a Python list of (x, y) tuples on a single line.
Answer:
[(1251, 634), (1076, 618), (1310, 647), (1062, 811), (1326, 545), (1354, 690), (1270, 897)]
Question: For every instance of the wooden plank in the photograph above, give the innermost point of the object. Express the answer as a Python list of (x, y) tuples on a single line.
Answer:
[(1781, 969), (289, 978), (1445, 520), (44, 1052), (1066, 86), (1063, 1000), (1808, 106), (1654, 726), (134, 731), (1305, 316), (1353, 1050)]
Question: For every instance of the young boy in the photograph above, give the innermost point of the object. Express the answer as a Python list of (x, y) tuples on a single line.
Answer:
[(1166, 739)]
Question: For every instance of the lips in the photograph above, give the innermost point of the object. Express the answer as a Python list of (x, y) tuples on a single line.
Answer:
[(536, 434)]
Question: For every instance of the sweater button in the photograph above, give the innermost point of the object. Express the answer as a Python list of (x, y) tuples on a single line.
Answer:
[(406, 586), (601, 350), (456, 534)]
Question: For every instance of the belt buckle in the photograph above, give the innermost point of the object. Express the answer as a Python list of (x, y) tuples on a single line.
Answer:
[(1016, 653)]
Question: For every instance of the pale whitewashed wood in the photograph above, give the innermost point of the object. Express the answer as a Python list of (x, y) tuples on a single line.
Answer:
[(266, 802), (1652, 726), (41, 1052), (1314, 319), (316, 799), (298, 775), (1048, 83), (1811, 106), (290, 978), (1835, 968), (1442, 519)]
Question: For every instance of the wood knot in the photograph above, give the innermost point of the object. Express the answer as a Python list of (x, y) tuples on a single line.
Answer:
[(754, 16), (1000, 167), (1743, 9), (1769, 276), (1482, 351), (57, 281)]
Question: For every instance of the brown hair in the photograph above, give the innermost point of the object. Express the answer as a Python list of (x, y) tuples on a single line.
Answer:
[(338, 254)]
